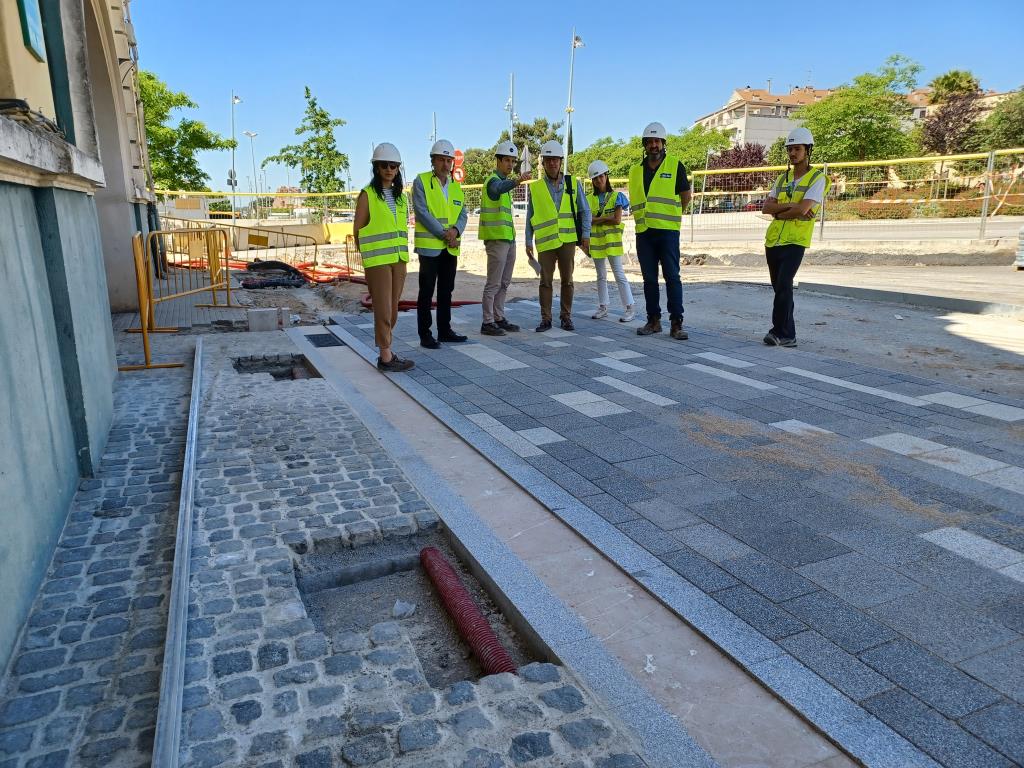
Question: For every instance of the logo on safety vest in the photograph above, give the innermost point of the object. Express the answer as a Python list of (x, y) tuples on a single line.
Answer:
[(665, 175)]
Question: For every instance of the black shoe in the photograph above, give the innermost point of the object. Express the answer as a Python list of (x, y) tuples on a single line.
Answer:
[(787, 342), (505, 325), (771, 340), (429, 342), (544, 326), (653, 326), (395, 365), (451, 337), (491, 329), (567, 325)]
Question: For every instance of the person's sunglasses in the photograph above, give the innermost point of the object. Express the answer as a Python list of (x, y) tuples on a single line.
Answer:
[(389, 166)]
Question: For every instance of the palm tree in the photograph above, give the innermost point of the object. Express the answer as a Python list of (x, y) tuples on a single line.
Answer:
[(956, 82)]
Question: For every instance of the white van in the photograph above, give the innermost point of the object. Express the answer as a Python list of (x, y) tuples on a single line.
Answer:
[(518, 209)]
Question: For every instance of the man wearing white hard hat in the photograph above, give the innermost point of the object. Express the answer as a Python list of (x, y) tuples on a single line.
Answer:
[(794, 203), (381, 232), (560, 221), (498, 232), (606, 206), (441, 216), (659, 193)]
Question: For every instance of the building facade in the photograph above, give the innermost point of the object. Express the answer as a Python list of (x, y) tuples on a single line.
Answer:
[(757, 116)]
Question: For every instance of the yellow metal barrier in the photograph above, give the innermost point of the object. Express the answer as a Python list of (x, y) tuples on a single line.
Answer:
[(144, 288)]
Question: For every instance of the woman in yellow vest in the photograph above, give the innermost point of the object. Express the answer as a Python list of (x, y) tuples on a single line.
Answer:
[(381, 230), (794, 203), (606, 240)]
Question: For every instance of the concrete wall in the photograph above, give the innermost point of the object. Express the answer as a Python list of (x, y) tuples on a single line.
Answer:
[(38, 463), (22, 75)]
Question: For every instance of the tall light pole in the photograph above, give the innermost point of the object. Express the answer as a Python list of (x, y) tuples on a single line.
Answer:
[(510, 105), (256, 179), (704, 185), (577, 42), (233, 181)]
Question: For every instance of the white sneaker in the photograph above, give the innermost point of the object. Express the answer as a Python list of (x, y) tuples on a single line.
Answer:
[(629, 315), (602, 312)]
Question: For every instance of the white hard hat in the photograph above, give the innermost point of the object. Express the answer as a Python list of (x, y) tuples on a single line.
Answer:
[(655, 131), (552, 149), (799, 136), (506, 149), (596, 168), (387, 153), (443, 147)]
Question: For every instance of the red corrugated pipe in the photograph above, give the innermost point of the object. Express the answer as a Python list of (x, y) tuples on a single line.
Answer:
[(472, 626)]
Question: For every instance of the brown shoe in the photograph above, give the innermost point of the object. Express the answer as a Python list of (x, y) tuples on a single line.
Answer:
[(677, 331), (653, 326), (395, 365)]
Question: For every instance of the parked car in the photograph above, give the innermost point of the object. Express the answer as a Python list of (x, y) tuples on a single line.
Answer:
[(755, 205), (519, 209)]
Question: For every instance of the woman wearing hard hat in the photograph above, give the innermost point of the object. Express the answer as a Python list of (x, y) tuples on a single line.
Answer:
[(606, 240), (794, 203), (381, 233)]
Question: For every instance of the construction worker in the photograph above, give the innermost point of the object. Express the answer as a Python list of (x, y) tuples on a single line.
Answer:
[(382, 237), (441, 215), (659, 193), (561, 222), (793, 203), (497, 230), (606, 240)]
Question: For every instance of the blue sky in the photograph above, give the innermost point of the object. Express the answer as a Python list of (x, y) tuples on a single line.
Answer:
[(385, 67)]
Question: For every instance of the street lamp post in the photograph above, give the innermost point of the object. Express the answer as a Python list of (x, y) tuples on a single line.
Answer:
[(256, 179), (577, 42), (510, 105), (233, 181), (704, 185)]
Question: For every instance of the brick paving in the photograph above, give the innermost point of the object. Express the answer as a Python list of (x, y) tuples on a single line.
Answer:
[(866, 527)]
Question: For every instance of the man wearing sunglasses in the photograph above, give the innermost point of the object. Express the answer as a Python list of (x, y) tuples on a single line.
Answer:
[(441, 216)]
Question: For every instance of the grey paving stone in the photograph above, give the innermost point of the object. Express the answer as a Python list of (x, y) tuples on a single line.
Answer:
[(1001, 726), (666, 513), (929, 678), (962, 580), (942, 739), (527, 747), (859, 580), (654, 468), (717, 546), (942, 626), (611, 509), (793, 544), (565, 699), (774, 581), (840, 622), (625, 487), (591, 467), (835, 665), (649, 536), (761, 614), (698, 570), (1002, 668)]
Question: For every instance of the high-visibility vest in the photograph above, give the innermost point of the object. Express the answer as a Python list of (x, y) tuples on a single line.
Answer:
[(659, 207), (794, 231), (552, 228), (446, 211), (385, 238), (496, 215), (605, 239)]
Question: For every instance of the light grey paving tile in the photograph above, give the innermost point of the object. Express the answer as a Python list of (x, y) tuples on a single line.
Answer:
[(904, 444), (575, 398), (962, 462), (1015, 572), (1002, 668), (541, 436), (600, 408), (998, 411), (555, 344), (858, 579), (714, 544), (1010, 478), (616, 365), (365, 325), (559, 333), (631, 389), (974, 547), (602, 338), (504, 435), (624, 354), (725, 360), (735, 377), (952, 399), (797, 427), (854, 386), (490, 357)]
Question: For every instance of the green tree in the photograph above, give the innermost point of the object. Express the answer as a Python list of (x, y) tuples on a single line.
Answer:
[(478, 164), (865, 120), (952, 128), (317, 158), (533, 135), (691, 147), (173, 148), (776, 154), (1004, 128), (955, 82), (220, 204)]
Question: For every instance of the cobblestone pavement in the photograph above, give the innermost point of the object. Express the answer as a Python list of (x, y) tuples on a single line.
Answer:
[(852, 536), (283, 468)]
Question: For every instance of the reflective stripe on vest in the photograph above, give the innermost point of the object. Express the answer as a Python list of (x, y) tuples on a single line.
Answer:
[(795, 231), (385, 238), (605, 239), (551, 228), (496, 215), (445, 211), (659, 208)]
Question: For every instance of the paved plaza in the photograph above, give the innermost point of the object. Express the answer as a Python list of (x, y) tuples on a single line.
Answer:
[(851, 536)]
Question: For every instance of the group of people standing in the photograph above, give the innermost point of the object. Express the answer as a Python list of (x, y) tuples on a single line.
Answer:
[(560, 218)]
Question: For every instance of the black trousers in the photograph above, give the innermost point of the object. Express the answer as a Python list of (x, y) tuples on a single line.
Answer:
[(440, 271), (783, 263)]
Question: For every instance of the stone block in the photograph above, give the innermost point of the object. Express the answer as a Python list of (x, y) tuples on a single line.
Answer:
[(832, 663), (530, 746), (585, 734)]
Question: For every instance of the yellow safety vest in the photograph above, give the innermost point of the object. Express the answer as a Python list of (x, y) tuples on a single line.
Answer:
[(605, 239), (446, 211), (496, 215), (794, 231), (385, 238), (552, 228), (658, 208)]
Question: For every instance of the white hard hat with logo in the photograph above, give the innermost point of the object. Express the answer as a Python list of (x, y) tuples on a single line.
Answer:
[(799, 136), (552, 149), (443, 147), (506, 149), (596, 168), (655, 131), (387, 153)]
